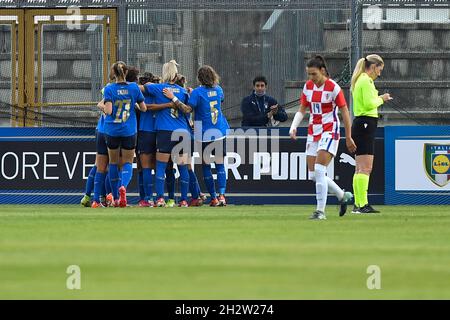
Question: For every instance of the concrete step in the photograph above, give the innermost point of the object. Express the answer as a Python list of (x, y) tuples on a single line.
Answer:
[(411, 95), (55, 84), (61, 39), (58, 55), (425, 37), (381, 84), (402, 66), (67, 116)]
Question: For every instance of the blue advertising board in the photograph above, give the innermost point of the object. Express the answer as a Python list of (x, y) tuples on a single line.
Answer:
[(417, 165)]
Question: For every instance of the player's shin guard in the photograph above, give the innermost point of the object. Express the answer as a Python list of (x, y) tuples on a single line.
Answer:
[(221, 178), (159, 181), (90, 181), (184, 181), (170, 182), (193, 184), (127, 174), (114, 179), (147, 183), (321, 186), (99, 183), (141, 185), (209, 180)]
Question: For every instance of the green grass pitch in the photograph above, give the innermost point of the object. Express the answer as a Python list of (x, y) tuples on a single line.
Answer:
[(237, 252)]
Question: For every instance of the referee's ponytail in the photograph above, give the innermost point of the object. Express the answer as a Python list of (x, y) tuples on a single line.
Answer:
[(363, 65), (359, 69)]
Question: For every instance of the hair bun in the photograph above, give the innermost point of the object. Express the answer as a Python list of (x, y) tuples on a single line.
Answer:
[(318, 56)]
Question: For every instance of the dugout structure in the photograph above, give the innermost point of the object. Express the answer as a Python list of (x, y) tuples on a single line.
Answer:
[(55, 54)]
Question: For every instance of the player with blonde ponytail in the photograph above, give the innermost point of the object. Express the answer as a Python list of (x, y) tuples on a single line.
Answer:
[(171, 128), (365, 108)]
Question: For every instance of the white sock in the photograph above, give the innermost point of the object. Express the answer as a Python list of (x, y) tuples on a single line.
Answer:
[(334, 188), (321, 186)]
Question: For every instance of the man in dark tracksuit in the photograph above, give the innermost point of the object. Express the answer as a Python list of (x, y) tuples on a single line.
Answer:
[(259, 109)]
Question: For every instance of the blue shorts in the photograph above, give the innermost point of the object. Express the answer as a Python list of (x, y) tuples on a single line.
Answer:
[(127, 143), (100, 143), (164, 143), (146, 142)]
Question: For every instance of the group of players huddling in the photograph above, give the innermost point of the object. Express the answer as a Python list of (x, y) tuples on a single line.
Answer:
[(155, 118)]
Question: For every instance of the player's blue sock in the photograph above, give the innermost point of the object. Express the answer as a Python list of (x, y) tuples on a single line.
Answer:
[(170, 182), (99, 182), (184, 181), (209, 180), (141, 185), (108, 189), (114, 180), (198, 187), (221, 177), (120, 179), (159, 181), (193, 184), (102, 185), (127, 174), (147, 183), (90, 181)]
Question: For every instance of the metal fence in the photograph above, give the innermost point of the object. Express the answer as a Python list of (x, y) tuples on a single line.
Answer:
[(242, 39)]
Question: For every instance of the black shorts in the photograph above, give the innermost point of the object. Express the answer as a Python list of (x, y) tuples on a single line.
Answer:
[(127, 143), (146, 142), (100, 143), (363, 133), (165, 144), (217, 148)]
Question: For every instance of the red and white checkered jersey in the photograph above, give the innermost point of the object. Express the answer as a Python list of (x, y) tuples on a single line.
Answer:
[(323, 105)]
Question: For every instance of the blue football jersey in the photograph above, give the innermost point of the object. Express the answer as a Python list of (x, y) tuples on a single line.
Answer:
[(101, 123), (168, 119), (122, 121), (147, 119), (206, 103), (101, 119)]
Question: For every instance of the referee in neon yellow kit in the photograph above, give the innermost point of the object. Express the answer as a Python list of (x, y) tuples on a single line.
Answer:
[(365, 108)]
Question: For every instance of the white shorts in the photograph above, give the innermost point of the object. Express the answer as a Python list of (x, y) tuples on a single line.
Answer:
[(325, 143)]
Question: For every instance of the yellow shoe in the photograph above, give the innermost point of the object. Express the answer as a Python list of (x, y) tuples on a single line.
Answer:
[(170, 203), (86, 201)]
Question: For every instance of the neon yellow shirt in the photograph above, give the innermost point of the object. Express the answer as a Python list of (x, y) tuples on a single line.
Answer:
[(365, 97)]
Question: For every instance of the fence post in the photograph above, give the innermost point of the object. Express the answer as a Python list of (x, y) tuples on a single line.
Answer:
[(122, 25), (356, 40)]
